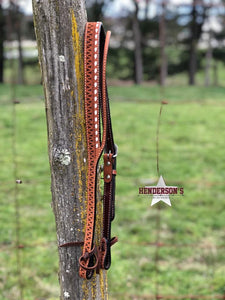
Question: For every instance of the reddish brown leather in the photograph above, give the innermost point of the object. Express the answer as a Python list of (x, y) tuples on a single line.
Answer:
[(114, 172), (108, 167)]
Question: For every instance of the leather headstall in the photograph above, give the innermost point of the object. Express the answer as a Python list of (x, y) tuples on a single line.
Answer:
[(99, 138)]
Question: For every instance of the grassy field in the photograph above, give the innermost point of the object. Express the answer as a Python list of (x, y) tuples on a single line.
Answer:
[(192, 143)]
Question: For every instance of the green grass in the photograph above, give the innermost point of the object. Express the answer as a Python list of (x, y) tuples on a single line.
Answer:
[(191, 155)]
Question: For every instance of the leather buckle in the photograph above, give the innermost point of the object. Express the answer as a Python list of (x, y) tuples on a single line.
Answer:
[(108, 167), (110, 164)]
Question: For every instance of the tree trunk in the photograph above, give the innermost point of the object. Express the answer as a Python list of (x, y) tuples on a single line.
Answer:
[(20, 52), (138, 49), (162, 40), (215, 74), (208, 59), (96, 11), (59, 29), (193, 46), (2, 35), (147, 2), (15, 20)]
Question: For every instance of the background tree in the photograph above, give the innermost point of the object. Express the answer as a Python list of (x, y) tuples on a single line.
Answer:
[(208, 59), (198, 16), (147, 2), (137, 36), (95, 9), (2, 38), (162, 42), (14, 33), (17, 16)]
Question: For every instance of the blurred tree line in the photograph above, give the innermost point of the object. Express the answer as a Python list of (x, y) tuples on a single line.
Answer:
[(151, 39), (154, 39), (15, 26)]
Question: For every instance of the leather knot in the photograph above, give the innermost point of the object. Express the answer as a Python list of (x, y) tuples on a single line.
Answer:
[(87, 256)]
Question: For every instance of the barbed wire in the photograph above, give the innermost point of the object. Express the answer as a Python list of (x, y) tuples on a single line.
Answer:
[(168, 297), (205, 102), (16, 181), (13, 246), (15, 196)]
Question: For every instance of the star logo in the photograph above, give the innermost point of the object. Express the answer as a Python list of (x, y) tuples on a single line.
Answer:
[(161, 192)]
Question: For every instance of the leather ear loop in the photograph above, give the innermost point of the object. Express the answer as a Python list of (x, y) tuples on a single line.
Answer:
[(71, 244), (89, 260), (89, 232)]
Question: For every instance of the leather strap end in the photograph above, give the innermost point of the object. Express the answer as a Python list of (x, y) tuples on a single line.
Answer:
[(113, 240), (71, 244)]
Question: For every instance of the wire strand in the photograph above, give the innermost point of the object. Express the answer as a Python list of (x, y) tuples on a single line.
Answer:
[(15, 165)]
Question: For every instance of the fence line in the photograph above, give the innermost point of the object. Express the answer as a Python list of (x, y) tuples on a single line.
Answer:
[(171, 181), (40, 99), (16, 191), (13, 102), (168, 297), (13, 246), (18, 247)]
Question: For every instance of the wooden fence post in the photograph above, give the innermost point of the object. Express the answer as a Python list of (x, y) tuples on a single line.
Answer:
[(59, 29)]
